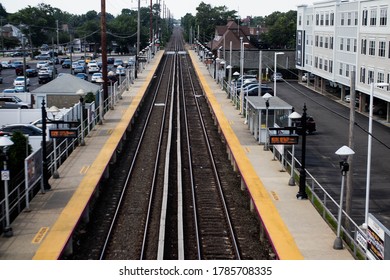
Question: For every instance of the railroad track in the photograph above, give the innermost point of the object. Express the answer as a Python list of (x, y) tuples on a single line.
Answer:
[(174, 194)]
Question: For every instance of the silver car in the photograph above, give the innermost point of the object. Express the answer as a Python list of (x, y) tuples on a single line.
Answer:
[(12, 102)]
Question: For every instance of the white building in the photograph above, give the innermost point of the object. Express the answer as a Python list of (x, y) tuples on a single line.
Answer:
[(335, 38)]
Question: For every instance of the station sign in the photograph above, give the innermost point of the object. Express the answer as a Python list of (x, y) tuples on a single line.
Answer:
[(63, 133), (283, 139)]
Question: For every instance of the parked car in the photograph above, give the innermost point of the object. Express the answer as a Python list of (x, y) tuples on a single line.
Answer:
[(44, 78), (67, 63), (44, 56), (41, 64), (93, 67), (9, 91), (5, 65), (12, 102), (110, 60), (347, 99), (21, 89), (118, 62), (307, 76), (277, 76), (26, 129), (310, 125), (78, 69), (120, 71), (32, 72), (19, 81), (255, 91), (379, 109), (82, 76), (19, 69), (96, 76)]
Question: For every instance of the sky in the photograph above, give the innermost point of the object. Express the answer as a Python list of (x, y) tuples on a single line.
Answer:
[(177, 8)]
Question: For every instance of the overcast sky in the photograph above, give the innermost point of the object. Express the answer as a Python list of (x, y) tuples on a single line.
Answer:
[(177, 7)]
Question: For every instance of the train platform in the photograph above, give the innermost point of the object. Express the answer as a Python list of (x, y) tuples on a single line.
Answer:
[(32, 229)]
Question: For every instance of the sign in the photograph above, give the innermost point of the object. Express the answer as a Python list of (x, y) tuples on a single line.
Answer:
[(283, 139), (5, 175), (63, 133)]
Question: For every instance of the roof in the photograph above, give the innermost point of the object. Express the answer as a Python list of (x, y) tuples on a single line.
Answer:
[(275, 103), (66, 84)]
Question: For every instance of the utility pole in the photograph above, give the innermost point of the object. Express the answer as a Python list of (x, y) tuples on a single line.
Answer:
[(103, 27), (58, 40), (351, 144)]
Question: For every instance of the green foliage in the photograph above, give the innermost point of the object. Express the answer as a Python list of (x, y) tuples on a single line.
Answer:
[(90, 97)]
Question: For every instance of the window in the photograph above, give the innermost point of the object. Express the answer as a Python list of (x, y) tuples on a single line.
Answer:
[(364, 46), (363, 75), (316, 62), (371, 50), (317, 19), (326, 42), (342, 19), (373, 15), (321, 42), (307, 20), (364, 17), (316, 40), (320, 63), (331, 43), (347, 70), (300, 20), (322, 19), (327, 19), (381, 77), (349, 19), (383, 16), (325, 64), (331, 66), (331, 19), (370, 76), (348, 44), (382, 49), (354, 45), (341, 44), (356, 18), (341, 69)]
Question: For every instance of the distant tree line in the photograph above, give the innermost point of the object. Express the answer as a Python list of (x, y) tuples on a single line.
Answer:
[(41, 23), (281, 27)]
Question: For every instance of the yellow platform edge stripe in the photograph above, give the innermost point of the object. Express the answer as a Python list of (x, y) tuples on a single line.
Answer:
[(62, 230), (281, 238)]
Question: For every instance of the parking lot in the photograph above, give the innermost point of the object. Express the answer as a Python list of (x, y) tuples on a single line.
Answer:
[(8, 75)]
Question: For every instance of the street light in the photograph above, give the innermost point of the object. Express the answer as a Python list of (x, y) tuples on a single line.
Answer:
[(369, 146), (236, 76), (276, 57), (266, 97), (81, 94), (293, 116), (343, 152), (54, 110), (5, 142), (242, 75), (302, 172)]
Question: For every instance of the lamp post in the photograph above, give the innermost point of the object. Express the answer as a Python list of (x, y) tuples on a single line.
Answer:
[(229, 79), (242, 75), (302, 172), (45, 177), (5, 142), (343, 152), (54, 110), (369, 146), (293, 116), (275, 61), (81, 94), (101, 101), (266, 97)]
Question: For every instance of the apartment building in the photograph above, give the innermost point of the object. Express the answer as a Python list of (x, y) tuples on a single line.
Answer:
[(340, 37)]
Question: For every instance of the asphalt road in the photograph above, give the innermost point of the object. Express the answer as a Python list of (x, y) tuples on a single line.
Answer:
[(332, 119)]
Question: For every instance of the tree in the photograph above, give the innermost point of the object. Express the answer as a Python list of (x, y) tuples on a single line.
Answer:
[(18, 152)]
